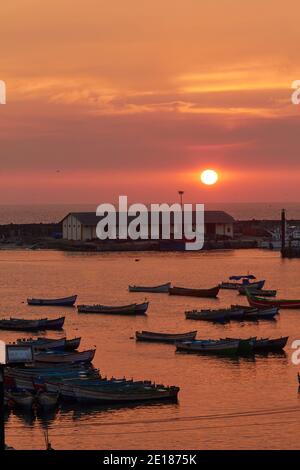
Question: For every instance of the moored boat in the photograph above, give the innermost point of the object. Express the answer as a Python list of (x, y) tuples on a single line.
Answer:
[(72, 344), (207, 315), (238, 313), (164, 337), (210, 293), (131, 309), (62, 302), (63, 358), (55, 324), (266, 344), (209, 347), (235, 282), (260, 314), (43, 344), (257, 345), (122, 395), (261, 293), (246, 346), (261, 302), (20, 324), (163, 288), (20, 398)]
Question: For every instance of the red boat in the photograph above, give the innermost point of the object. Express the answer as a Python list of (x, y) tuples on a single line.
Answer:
[(213, 292), (261, 302)]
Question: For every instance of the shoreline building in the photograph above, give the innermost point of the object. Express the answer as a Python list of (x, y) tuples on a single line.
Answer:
[(81, 226)]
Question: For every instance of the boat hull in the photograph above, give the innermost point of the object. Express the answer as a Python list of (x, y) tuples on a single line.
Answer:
[(209, 293), (163, 288), (32, 325), (236, 285), (212, 316), (164, 337), (85, 356), (132, 309), (210, 347), (259, 302), (232, 314), (270, 345), (261, 293), (63, 302), (88, 396)]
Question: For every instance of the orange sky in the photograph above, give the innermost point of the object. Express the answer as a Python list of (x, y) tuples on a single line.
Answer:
[(138, 97)]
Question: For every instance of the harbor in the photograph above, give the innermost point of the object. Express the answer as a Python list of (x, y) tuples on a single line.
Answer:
[(252, 394)]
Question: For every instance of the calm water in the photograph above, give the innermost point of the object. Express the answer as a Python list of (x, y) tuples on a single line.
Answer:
[(223, 403), (49, 213)]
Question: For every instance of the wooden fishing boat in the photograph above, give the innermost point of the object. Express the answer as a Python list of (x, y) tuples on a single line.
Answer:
[(244, 282), (122, 395), (237, 312), (260, 302), (110, 391), (55, 324), (221, 315), (207, 315), (260, 314), (211, 293), (62, 302), (209, 347), (132, 309), (20, 324), (20, 398), (165, 337), (62, 344), (53, 357), (43, 344), (261, 345), (72, 344), (246, 346), (47, 400), (266, 344), (163, 288), (65, 388), (15, 324), (36, 380), (262, 293)]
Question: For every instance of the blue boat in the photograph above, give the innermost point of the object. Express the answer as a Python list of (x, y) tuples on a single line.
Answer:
[(242, 281)]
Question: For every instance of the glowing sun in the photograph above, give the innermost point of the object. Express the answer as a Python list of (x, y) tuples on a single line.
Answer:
[(209, 177)]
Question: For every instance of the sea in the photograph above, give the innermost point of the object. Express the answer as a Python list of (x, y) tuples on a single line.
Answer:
[(224, 403), (49, 213)]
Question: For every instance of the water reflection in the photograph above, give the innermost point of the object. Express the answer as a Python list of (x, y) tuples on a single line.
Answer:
[(208, 385)]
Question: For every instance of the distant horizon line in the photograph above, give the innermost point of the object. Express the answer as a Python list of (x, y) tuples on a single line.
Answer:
[(147, 203)]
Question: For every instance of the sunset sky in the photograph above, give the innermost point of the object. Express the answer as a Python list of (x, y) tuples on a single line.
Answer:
[(137, 97)]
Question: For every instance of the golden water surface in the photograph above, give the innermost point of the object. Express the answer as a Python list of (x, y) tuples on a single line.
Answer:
[(244, 403)]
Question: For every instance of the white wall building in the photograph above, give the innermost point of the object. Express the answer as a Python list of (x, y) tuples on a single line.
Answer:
[(81, 226)]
